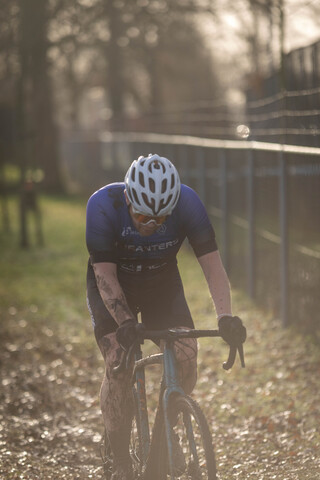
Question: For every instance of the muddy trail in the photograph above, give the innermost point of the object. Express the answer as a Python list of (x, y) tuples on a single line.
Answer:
[(265, 420), (49, 408)]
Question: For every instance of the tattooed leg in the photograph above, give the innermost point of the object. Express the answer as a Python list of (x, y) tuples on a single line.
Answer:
[(186, 354), (116, 400)]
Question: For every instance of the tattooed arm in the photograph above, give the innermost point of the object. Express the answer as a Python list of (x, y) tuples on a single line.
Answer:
[(111, 291)]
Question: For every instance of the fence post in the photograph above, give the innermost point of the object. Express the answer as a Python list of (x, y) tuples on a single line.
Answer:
[(201, 174), (284, 238), (224, 208), (315, 80), (183, 161), (251, 224)]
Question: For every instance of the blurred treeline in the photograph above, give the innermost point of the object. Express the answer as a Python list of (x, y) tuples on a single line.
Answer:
[(62, 61)]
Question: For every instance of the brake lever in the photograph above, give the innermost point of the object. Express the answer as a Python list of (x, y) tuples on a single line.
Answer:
[(241, 355), (125, 360), (232, 356)]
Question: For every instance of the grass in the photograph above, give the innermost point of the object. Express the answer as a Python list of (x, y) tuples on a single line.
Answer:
[(45, 286)]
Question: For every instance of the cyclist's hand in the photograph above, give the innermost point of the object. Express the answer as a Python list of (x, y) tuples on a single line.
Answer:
[(128, 332), (232, 330)]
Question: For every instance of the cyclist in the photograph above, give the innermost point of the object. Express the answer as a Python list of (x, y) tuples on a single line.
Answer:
[(134, 232)]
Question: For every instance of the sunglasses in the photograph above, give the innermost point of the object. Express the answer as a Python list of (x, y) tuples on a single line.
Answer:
[(147, 219)]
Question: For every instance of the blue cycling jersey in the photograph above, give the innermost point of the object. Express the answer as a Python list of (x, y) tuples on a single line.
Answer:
[(112, 237)]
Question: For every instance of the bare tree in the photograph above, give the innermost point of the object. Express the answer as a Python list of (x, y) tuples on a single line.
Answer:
[(34, 46)]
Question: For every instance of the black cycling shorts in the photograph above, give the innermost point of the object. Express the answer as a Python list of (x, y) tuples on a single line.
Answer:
[(159, 297)]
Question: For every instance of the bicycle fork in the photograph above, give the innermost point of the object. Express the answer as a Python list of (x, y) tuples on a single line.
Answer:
[(143, 411)]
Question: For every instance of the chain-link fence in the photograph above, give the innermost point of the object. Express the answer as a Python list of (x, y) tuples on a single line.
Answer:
[(264, 200)]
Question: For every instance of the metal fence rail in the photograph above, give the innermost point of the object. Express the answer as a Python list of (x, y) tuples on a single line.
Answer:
[(264, 200)]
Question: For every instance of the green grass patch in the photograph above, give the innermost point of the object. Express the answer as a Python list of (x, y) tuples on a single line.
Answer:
[(45, 284)]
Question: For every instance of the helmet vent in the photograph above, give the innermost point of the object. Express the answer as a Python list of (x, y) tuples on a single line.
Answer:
[(152, 185), (168, 200), (163, 203), (135, 196), (172, 181), (133, 175), (141, 179), (164, 186), (149, 203), (154, 165)]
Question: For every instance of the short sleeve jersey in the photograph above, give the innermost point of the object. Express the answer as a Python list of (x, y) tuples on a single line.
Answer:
[(112, 237)]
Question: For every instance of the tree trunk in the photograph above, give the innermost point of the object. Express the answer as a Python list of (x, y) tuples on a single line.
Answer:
[(116, 86), (40, 106)]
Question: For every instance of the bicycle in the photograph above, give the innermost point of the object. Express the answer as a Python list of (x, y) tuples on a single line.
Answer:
[(180, 428)]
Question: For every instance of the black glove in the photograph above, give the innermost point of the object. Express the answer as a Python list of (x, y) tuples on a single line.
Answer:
[(126, 333), (232, 330)]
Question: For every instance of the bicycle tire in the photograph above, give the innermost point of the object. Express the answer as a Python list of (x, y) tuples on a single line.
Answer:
[(199, 458), (135, 446)]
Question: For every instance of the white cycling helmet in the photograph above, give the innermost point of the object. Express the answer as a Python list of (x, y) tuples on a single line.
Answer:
[(153, 185)]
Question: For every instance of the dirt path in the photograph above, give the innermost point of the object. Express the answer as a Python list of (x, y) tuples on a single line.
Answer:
[(265, 421), (49, 411)]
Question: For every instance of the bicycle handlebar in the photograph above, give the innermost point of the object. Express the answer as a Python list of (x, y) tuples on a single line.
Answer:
[(172, 334)]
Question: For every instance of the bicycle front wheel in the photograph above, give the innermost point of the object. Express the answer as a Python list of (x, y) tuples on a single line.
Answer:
[(192, 449)]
